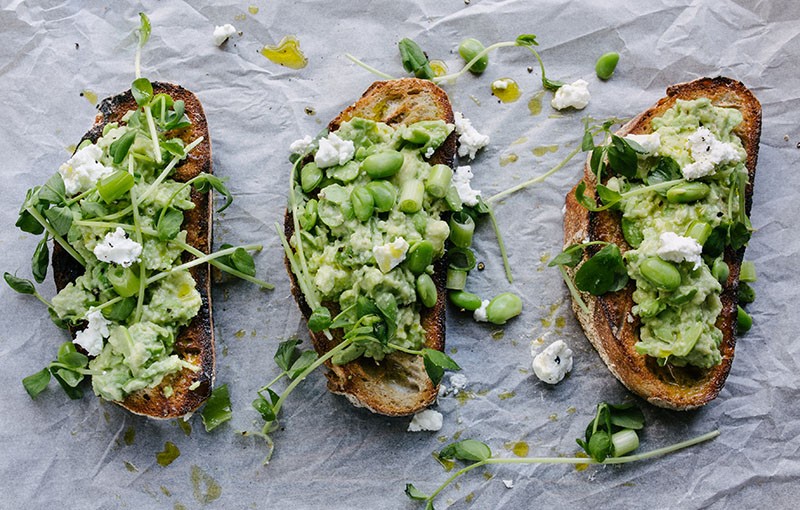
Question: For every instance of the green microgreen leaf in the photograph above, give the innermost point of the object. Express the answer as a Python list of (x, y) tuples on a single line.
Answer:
[(603, 272), (144, 29), (667, 169), (121, 310), (204, 182), (142, 91), (738, 235), (526, 40), (243, 262), (27, 223), (53, 190), (37, 383), (20, 285), (60, 217), (73, 392), (466, 450), (599, 446), (287, 354), (414, 59), (414, 493), (174, 147), (436, 362), (622, 157), (626, 416), (70, 377), (320, 319), (306, 359), (58, 321), (40, 259), (120, 147), (217, 409), (169, 225), (570, 257), (264, 408)]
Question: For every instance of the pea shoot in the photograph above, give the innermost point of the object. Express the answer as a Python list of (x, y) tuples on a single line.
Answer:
[(610, 436)]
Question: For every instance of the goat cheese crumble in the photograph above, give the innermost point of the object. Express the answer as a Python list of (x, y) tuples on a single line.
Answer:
[(82, 171), (469, 140), (222, 33), (553, 363), (708, 152), (480, 314), (427, 420), (116, 247), (300, 145), (461, 180), (92, 336), (390, 255), (334, 151), (575, 95), (675, 248)]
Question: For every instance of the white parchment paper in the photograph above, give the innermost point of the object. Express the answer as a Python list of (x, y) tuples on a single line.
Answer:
[(89, 454)]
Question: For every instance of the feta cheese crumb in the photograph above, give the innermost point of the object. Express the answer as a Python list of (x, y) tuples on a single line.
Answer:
[(480, 314), (429, 152), (575, 95), (92, 336), (389, 255), (469, 140), (82, 171), (458, 382), (461, 180), (300, 145), (650, 143), (500, 84), (509, 484), (677, 248), (334, 151), (442, 390), (708, 152), (427, 420), (116, 247), (222, 33), (553, 363)]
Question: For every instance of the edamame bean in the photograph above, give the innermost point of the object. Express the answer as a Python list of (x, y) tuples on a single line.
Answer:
[(438, 181), (720, 270), (363, 203), (746, 293), (411, 195), (456, 279), (426, 290), (660, 273), (503, 307), (469, 49), (465, 300), (416, 135), (384, 195), (743, 321), (383, 164), (348, 354), (632, 234), (687, 192), (650, 308), (309, 217), (699, 231), (462, 226), (606, 65), (310, 177), (419, 256)]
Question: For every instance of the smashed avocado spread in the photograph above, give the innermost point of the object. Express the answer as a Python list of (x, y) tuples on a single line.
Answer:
[(368, 206), (120, 214), (678, 234)]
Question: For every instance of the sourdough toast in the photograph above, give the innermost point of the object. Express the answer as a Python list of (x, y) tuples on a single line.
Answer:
[(398, 385), (609, 325), (195, 342)]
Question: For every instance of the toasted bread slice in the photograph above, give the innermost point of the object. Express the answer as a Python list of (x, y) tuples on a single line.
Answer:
[(398, 385), (608, 324), (195, 342)]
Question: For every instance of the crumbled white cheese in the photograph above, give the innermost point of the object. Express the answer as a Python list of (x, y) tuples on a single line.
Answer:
[(677, 248), (92, 336), (501, 84), (458, 382), (509, 484), (82, 171), (300, 145), (389, 255), (575, 95), (429, 152), (442, 390), (469, 140), (116, 247), (428, 419), (650, 143), (480, 314), (461, 180), (553, 363), (221, 33), (334, 151), (708, 152)]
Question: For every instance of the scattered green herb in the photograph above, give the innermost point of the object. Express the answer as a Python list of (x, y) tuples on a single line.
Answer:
[(217, 409)]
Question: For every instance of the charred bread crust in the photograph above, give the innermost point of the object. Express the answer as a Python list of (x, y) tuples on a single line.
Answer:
[(195, 342), (609, 325), (399, 384)]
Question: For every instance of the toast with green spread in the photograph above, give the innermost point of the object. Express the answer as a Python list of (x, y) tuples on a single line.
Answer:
[(669, 334), (413, 118), (182, 389)]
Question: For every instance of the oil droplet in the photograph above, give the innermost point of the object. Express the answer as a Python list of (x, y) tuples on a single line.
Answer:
[(90, 96), (506, 90), (286, 53), (170, 453), (309, 111), (457, 435), (561, 322), (185, 426), (469, 497), (454, 350), (107, 416), (519, 448), (487, 475), (130, 467), (535, 103), (571, 410), (544, 149), (441, 439), (240, 17), (545, 257), (239, 334), (179, 506), (545, 323), (520, 141), (129, 436), (166, 492), (71, 148), (508, 158), (553, 417), (498, 334), (253, 10), (464, 396), (507, 395), (224, 350), (439, 67), (447, 464), (205, 488), (581, 467)]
